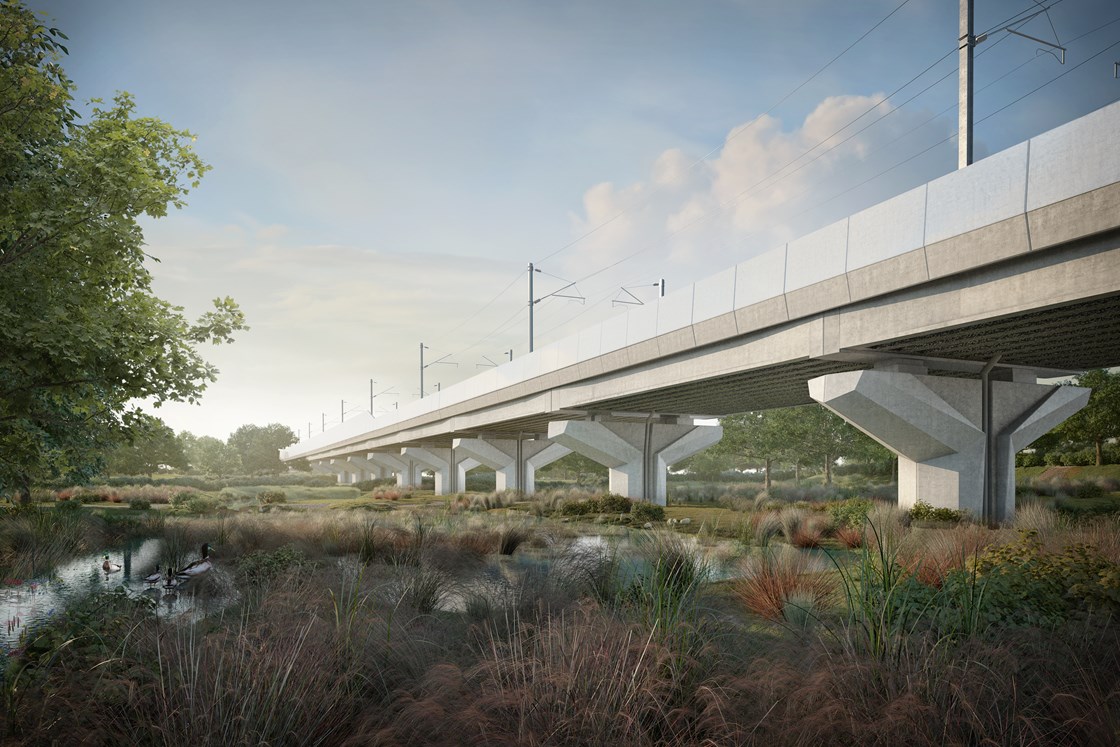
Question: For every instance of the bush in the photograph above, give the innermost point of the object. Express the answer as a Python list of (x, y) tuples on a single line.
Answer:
[(139, 504), (366, 486), (1088, 491), (579, 508), (266, 497), (263, 566), (922, 511), (851, 513), (1023, 584), (180, 499), (613, 503), (196, 503), (643, 512)]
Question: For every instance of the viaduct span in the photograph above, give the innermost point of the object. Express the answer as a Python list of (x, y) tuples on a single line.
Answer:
[(925, 321)]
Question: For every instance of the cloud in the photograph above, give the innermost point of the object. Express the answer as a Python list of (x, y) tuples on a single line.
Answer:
[(766, 184)]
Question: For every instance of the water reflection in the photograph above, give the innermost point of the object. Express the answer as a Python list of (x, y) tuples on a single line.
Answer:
[(28, 602)]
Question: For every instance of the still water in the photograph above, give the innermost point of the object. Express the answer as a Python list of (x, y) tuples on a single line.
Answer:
[(26, 603)]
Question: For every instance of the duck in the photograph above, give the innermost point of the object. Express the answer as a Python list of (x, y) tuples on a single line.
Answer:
[(154, 577), (197, 568), (109, 567)]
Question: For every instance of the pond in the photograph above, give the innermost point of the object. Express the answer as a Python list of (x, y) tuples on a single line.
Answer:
[(26, 603)]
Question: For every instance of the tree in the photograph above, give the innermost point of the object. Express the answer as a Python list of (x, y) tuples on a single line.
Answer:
[(151, 446), (259, 446), (577, 465), (825, 437), (764, 435), (1099, 420), (798, 435), (211, 456), (82, 337)]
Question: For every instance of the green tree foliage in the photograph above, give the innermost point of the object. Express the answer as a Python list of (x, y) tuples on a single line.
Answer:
[(150, 446), (82, 337), (1100, 419), (800, 435), (207, 455), (259, 446), (765, 435), (574, 467)]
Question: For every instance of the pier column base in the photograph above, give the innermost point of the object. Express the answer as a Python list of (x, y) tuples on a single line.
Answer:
[(934, 425), (637, 455), (515, 461)]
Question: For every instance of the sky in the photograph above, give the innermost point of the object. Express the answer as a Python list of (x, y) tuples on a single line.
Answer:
[(383, 171)]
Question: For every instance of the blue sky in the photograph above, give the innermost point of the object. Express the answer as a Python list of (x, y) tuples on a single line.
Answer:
[(383, 169)]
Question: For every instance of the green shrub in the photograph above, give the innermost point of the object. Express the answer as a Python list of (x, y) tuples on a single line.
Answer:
[(266, 497), (180, 499), (643, 512), (139, 504), (1088, 491), (366, 486), (1023, 584), (196, 503), (579, 508), (264, 566), (922, 511), (850, 513), (613, 503), (68, 507)]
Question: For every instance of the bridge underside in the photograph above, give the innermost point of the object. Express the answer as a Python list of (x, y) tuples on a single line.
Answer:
[(888, 317), (1071, 337)]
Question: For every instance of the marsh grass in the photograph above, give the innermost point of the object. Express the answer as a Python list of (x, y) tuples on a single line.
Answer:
[(247, 684), (34, 539), (412, 627), (576, 678), (783, 584), (511, 537), (879, 612)]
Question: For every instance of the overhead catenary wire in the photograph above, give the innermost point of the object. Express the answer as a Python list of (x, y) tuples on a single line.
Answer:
[(1019, 18), (884, 171), (733, 134), (723, 206), (738, 132)]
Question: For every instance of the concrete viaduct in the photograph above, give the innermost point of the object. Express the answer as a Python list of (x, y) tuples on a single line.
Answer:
[(925, 321)]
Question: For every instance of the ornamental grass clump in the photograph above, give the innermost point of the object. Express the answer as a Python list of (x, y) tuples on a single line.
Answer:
[(792, 519), (512, 536), (775, 576)]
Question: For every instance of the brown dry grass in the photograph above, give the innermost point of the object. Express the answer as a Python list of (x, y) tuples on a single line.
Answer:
[(931, 554)]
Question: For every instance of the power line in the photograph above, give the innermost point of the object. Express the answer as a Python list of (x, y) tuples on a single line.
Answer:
[(723, 207), (481, 309), (733, 134), (1019, 18), (894, 166)]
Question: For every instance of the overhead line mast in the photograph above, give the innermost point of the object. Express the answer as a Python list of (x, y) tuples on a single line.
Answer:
[(967, 41)]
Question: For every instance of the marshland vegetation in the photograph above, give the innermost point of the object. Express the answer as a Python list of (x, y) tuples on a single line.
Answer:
[(380, 616)]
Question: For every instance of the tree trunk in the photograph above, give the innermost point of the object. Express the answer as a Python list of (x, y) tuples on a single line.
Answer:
[(797, 473), (827, 470), (24, 489), (1097, 443), (767, 480)]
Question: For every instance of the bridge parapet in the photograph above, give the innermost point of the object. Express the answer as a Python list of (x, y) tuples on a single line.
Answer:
[(1010, 204)]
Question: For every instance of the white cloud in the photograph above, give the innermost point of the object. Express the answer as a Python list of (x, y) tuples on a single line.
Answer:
[(692, 217)]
